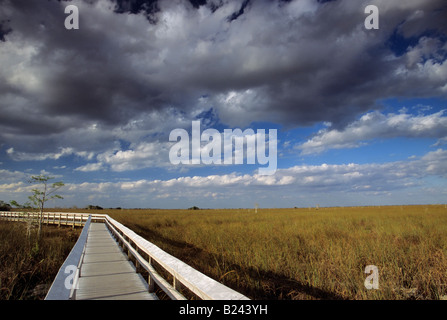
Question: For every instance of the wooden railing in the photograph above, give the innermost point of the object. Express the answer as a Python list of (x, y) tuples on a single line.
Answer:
[(61, 288), (59, 218), (145, 254)]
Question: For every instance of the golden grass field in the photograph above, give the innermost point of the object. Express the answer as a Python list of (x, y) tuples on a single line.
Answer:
[(300, 253), (307, 253), (28, 266)]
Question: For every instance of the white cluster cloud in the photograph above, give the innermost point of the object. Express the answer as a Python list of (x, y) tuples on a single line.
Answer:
[(11, 176), (24, 156), (289, 184), (143, 155), (329, 184), (377, 125)]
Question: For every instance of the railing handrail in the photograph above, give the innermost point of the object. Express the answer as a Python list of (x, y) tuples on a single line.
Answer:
[(26, 214), (59, 289), (198, 283)]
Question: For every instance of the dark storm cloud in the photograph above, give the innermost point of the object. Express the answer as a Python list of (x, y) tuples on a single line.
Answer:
[(81, 74), (292, 62), (3, 31)]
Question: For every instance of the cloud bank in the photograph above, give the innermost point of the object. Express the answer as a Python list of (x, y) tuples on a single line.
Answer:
[(300, 185), (295, 63)]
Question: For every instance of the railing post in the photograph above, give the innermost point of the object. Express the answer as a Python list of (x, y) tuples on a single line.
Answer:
[(176, 283), (122, 242), (150, 280), (151, 284), (137, 264)]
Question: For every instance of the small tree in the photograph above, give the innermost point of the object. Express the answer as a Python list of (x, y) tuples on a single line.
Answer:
[(41, 195), (14, 203)]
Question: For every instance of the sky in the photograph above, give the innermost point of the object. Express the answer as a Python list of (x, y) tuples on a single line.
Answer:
[(360, 113)]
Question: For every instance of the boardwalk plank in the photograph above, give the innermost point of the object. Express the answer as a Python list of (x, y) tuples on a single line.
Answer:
[(106, 273)]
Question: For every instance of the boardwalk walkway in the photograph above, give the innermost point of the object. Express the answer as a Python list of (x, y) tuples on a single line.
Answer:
[(97, 267), (106, 273)]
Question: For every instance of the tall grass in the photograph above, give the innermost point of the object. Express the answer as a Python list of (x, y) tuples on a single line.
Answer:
[(28, 266), (307, 253)]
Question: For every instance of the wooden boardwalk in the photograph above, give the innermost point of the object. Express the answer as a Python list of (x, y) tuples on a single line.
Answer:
[(106, 273), (97, 267)]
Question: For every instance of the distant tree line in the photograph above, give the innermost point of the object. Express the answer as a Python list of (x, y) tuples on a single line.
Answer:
[(7, 207), (92, 207)]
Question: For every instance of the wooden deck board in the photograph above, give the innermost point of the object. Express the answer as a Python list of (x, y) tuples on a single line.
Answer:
[(106, 273)]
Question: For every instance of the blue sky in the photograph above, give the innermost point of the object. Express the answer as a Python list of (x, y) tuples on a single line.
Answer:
[(360, 114)]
